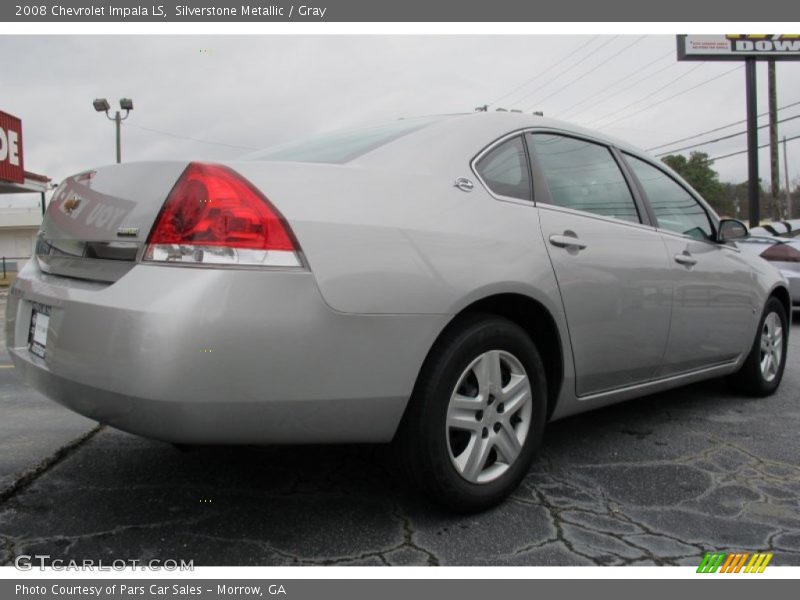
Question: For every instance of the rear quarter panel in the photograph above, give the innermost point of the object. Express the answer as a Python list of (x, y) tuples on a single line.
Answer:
[(382, 241)]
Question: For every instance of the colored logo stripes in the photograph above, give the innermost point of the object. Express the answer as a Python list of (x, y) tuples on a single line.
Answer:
[(735, 562)]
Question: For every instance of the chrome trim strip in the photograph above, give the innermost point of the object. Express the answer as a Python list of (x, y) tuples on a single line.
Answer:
[(590, 215), (683, 236), (655, 383)]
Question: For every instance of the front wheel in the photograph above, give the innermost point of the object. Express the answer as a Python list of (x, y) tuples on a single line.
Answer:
[(477, 414), (762, 371)]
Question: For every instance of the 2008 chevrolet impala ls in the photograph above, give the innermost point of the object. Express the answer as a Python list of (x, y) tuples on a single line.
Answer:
[(451, 283)]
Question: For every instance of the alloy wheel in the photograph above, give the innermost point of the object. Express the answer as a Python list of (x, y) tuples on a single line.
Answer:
[(489, 416), (771, 346)]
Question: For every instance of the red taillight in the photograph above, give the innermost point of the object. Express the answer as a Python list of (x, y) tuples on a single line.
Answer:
[(781, 253), (214, 215)]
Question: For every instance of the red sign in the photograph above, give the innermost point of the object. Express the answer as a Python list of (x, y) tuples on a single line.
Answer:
[(11, 166)]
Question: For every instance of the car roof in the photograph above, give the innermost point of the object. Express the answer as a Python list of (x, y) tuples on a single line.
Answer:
[(402, 139), (507, 121), (451, 134)]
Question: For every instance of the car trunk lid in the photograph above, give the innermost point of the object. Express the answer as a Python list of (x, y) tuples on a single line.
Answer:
[(98, 221)]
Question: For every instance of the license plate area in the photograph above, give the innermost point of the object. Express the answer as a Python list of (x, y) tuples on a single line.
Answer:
[(37, 334)]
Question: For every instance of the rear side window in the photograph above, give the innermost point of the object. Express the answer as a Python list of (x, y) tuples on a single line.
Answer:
[(584, 176), (505, 171), (675, 208)]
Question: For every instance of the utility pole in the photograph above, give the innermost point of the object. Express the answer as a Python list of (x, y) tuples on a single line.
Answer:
[(750, 48), (774, 157), (786, 178), (753, 185)]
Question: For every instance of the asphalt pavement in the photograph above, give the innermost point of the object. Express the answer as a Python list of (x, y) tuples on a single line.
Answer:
[(660, 480)]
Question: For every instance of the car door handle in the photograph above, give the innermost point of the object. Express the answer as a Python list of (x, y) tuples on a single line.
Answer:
[(685, 259), (567, 241)]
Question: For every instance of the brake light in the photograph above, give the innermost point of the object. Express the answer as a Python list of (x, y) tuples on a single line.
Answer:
[(213, 215), (781, 253)]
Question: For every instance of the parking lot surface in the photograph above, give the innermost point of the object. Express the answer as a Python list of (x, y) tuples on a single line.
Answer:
[(660, 480)]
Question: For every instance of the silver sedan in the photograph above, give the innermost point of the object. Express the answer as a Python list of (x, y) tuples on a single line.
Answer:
[(448, 283)]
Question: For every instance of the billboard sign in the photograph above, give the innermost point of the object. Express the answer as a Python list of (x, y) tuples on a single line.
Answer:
[(11, 163), (737, 46)]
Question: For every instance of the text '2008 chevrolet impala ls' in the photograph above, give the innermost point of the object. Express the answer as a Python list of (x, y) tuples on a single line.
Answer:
[(448, 283)]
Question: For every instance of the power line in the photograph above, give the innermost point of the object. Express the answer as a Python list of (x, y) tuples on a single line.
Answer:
[(592, 70), (634, 84), (697, 135), (668, 98), (565, 71), (547, 70), (651, 94), (725, 137), (608, 87), (185, 137), (761, 147)]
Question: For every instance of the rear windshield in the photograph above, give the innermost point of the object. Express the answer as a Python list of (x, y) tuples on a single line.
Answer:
[(342, 146)]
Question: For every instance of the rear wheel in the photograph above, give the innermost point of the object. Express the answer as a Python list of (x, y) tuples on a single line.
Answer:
[(477, 414), (762, 371)]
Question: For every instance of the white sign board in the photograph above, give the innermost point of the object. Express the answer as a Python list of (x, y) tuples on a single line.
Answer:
[(776, 46)]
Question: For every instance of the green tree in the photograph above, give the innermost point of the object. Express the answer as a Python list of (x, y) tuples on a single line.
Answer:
[(698, 172)]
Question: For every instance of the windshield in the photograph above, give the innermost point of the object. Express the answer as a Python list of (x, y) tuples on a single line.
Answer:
[(342, 146)]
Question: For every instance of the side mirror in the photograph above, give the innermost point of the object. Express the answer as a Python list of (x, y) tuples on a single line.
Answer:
[(731, 230)]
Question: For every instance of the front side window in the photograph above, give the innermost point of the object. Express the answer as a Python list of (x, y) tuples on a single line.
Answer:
[(584, 176), (504, 170), (675, 208)]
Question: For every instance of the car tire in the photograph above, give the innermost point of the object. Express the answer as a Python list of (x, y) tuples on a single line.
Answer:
[(762, 371), (439, 446)]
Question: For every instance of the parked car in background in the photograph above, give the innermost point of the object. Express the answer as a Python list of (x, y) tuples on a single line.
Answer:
[(789, 228), (782, 251), (449, 283)]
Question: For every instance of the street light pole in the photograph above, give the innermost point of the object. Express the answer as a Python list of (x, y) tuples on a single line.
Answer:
[(126, 104), (118, 123)]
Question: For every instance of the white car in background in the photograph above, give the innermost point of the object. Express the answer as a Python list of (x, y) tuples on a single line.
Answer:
[(779, 244)]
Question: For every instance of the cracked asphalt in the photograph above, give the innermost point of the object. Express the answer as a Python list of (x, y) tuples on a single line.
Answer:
[(661, 480)]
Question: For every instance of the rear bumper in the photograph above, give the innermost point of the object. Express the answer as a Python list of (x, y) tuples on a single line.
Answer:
[(196, 355)]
